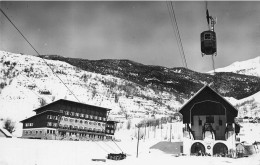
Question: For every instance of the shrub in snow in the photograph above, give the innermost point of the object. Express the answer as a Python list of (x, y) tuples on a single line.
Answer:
[(9, 125)]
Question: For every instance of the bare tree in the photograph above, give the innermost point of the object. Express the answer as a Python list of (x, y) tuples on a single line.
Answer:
[(42, 102), (128, 126), (123, 111)]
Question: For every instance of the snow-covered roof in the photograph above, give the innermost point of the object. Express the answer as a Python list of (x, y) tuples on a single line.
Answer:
[(6, 133)]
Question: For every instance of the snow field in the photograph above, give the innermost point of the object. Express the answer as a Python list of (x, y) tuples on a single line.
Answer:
[(51, 152)]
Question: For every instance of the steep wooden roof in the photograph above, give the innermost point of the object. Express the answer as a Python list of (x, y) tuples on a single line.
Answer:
[(61, 101), (210, 102), (39, 114)]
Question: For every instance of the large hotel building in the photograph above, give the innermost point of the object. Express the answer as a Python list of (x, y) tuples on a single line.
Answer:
[(64, 119)]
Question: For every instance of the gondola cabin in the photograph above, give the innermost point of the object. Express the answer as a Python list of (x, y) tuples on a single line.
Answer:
[(208, 43)]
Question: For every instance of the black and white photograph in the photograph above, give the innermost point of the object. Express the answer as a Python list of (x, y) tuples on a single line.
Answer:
[(129, 82)]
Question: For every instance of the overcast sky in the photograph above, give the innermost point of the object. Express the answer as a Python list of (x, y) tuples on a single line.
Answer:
[(139, 31)]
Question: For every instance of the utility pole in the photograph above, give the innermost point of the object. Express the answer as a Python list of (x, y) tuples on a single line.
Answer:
[(137, 140), (170, 132), (161, 128), (144, 130)]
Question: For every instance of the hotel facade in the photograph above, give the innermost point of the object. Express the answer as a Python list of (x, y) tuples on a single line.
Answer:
[(68, 120)]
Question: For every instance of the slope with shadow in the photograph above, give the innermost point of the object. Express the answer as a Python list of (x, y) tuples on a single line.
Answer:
[(182, 81)]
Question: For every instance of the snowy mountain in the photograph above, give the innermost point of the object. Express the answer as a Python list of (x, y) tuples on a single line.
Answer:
[(130, 89), (249, 106), (27, 83), (179, 81), (248, 67)]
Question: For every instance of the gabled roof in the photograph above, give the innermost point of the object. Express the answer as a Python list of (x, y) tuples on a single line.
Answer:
[(206, 90), (6, 133), (39, 115), (193, 97), (69, 101)]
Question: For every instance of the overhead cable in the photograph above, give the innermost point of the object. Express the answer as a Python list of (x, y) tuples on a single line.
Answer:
[(38, 54), (176, 31)]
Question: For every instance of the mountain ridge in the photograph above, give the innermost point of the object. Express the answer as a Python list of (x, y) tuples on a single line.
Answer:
[(150, 74), (247, 67)]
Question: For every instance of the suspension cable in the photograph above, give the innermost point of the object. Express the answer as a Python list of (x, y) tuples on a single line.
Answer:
[(176, 31), (109, 146), (38, 54), (213, 64), (117, 145), (114, 142), (30, 90), (45, 63), (176, 23), (101, 147), (31, 82)]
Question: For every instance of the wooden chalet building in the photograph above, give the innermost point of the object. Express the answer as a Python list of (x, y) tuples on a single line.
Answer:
[(209, 124), (64, 119)]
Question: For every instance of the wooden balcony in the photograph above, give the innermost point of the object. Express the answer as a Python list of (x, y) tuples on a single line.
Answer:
[(73, 130)]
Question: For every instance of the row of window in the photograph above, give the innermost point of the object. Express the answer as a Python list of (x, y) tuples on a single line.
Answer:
[(82, 121), (50, 124), (110, 126), (52, 117), (28, 124), (53, 131), (81, 110), (82, 115), (50, 131), (38, 132), (80, 128), (32, 132), (86, 135)]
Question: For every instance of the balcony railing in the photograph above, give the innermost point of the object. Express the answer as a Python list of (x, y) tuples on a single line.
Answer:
[(80, 130)]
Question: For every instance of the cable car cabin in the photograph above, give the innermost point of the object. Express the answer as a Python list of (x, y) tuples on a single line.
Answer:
[(208, 43)]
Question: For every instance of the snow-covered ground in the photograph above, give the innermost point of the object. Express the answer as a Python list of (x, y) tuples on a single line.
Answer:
[(16, 151), (51, 152)]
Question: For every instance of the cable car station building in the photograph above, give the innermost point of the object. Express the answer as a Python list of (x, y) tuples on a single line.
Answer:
[(64, 119), (209, 124)]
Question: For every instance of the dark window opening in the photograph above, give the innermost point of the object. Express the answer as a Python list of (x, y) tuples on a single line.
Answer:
[(207, 36), (220, 122), (209, 119), (200, 122)]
